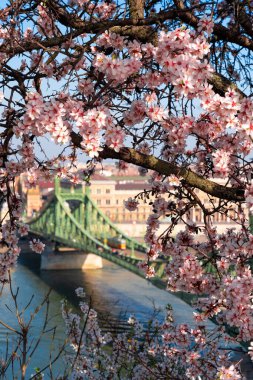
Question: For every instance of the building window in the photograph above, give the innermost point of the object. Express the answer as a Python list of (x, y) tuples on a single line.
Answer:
[(215, 217), (99, 202), (198, 215), (107, 213), (108, 201), (107, 191), (223, 217), (117, 201), (98, 191)]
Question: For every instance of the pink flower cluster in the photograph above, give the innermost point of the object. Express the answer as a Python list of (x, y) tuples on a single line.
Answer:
[(10, 232), (165, 350), (41, 118), (107, 90), (37, 246), (45, 23), (116, 70), (131, 204)]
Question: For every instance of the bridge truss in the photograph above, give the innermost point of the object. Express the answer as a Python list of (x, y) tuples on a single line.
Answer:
[(72, 219)]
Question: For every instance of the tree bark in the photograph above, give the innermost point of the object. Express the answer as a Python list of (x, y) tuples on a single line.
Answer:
[(165, 168)]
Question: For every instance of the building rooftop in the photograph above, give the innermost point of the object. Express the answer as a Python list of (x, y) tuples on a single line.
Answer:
[(100, 177)]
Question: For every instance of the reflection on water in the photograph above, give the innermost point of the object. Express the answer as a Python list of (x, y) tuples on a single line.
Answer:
[(31, 293), (115, 293)]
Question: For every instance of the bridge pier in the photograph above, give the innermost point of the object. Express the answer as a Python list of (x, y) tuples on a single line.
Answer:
[(66, 258)]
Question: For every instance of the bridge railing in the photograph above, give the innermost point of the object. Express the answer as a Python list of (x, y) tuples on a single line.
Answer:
[(100, 218), (131, 242)]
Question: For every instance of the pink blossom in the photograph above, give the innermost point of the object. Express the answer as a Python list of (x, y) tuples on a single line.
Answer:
[(23, 230), (229, 373), (206, 24), (37, 246), (131, 204), (174, 180)]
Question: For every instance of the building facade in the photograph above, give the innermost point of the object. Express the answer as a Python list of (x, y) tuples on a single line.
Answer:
[(110, 195)]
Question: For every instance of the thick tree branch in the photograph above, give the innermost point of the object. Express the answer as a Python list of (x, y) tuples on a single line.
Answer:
[(245, 22), (221, 32), (165, 168), (136, 8), (221, 84), (242, 17), (137, 19), (135, 27), (87, 27), (81, 26)]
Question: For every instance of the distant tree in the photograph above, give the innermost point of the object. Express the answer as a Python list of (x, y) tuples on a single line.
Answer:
[(166, 86)]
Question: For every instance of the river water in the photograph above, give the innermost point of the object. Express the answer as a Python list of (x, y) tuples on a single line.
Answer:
[(115, 293)]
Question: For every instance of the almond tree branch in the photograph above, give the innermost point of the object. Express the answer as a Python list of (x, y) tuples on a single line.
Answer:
[(81, 26), (242, 17), (135, 27), (165, 168), (221, 32)]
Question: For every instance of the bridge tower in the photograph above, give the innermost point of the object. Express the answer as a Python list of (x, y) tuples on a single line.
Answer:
[(73, 221), (58, 256)]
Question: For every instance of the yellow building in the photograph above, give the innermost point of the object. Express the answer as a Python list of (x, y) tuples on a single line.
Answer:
[(197, 215), (33, 201), (110, 195)]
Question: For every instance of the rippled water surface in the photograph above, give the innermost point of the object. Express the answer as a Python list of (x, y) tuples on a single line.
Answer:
[(114, 292)]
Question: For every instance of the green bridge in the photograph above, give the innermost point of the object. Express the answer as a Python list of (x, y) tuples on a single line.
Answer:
[(72, 219)]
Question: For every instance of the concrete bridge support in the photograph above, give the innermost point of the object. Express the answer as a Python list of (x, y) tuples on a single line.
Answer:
[(69, 259)]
